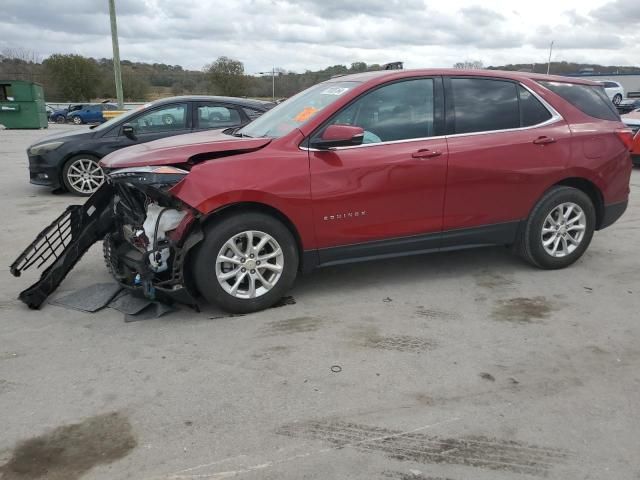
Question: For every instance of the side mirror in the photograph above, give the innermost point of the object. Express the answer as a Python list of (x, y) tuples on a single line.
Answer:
[(339, 136), (128, 131)]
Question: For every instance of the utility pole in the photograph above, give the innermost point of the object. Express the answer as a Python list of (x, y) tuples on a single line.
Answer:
[(549, 62), (116, 54), (273, 81)]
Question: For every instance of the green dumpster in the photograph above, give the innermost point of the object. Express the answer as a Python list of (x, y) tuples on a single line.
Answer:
[(22, 104)]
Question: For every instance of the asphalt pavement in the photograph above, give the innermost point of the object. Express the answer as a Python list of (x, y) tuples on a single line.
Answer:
[(466, 365)]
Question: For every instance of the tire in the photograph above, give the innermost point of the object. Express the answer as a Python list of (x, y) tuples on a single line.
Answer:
[(617, 98), (80, 176), (76, 120), (562, 234), (61, 119), (206, 266)]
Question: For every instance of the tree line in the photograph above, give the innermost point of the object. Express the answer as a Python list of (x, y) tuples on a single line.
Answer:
[(70, 77)]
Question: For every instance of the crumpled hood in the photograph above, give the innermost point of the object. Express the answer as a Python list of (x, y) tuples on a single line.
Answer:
[(179, 149)]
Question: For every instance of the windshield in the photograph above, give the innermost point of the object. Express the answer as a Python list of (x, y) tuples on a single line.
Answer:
[(296, 111), (118, 118)]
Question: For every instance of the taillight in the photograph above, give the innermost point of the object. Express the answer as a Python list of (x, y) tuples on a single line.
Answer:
[(626, 137)]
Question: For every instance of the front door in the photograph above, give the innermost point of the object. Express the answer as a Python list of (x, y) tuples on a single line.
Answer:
[(390, 187)]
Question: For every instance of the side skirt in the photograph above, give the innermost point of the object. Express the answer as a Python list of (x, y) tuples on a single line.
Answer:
[(498, 234)]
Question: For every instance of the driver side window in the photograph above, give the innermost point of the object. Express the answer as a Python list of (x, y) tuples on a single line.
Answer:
[(399, 111), (169, 118)]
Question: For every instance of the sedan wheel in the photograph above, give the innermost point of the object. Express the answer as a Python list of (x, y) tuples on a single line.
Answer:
[(83, 176), (617, 99), (77, 120), (61, 119)]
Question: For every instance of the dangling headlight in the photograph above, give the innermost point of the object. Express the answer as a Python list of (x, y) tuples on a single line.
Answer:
[(151, 176)]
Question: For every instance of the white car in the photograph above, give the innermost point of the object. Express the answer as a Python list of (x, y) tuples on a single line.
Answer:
[(614, 90), (632, 120)]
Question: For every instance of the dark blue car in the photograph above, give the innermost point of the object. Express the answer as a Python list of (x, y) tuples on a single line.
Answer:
[(80, 113), (90, 113)]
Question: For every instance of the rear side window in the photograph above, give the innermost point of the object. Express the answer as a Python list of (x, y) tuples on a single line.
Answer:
[(610, 85), (482, 105), (589, 99), (532, 112)]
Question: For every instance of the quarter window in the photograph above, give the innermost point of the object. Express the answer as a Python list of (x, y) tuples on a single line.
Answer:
[(590, 99), (399, 111)]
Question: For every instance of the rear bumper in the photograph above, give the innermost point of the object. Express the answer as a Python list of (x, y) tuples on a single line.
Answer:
[(612, 212)]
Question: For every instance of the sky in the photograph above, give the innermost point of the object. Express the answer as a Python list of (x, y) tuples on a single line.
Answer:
[(297, 35)]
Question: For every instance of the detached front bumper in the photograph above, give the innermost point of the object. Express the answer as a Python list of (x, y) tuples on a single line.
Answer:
[(63, 243), (143, 250)]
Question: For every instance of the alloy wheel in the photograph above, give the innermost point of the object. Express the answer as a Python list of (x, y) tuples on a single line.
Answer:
[(249, 264), (85, 175), (77, 120), (563, 229)]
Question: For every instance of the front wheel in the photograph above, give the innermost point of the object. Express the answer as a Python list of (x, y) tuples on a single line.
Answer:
[(246, 262), (559, 229), (82, 175), (77, 120), (61, 119)]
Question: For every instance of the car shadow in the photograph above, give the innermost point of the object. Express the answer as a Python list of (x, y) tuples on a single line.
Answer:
[(424, 269)]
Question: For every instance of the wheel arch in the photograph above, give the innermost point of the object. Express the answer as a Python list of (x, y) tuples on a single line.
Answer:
[(589, 188), (249, 206)]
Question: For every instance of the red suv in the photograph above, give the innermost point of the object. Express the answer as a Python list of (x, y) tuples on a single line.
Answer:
[(366, 166)]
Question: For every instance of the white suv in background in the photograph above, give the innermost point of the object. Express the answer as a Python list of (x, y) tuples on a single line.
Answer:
[(614, 90)]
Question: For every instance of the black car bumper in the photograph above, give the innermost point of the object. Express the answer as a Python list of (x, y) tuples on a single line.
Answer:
[(44, 171), (612, 212)]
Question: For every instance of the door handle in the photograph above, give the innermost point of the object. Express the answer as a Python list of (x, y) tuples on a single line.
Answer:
[(544, 140), (426, 153)]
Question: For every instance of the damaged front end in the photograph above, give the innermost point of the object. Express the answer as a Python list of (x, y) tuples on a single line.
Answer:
[(146, 235)]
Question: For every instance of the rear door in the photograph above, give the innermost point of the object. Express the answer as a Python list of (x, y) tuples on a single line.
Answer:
[(504, 144), (391, 186)]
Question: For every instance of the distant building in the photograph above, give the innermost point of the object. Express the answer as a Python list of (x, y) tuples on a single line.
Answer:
[(629, 81)]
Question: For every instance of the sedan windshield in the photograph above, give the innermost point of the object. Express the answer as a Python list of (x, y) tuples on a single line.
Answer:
[(296, 111)]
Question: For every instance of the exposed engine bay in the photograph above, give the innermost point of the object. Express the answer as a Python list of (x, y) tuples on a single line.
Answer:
[(146, 235)]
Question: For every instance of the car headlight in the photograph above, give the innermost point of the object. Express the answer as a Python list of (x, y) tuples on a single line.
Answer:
[(150, 176), (44, 147)]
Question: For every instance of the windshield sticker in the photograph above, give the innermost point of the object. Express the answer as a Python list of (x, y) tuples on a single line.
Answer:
[(334, 91), (305, 114)]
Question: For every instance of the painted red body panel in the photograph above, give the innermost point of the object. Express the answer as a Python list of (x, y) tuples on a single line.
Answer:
[(478, 179)]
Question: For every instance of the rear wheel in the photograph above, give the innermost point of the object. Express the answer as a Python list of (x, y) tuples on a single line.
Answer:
[(559, 228), (617, 99), (82, 175), (246, 262)]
